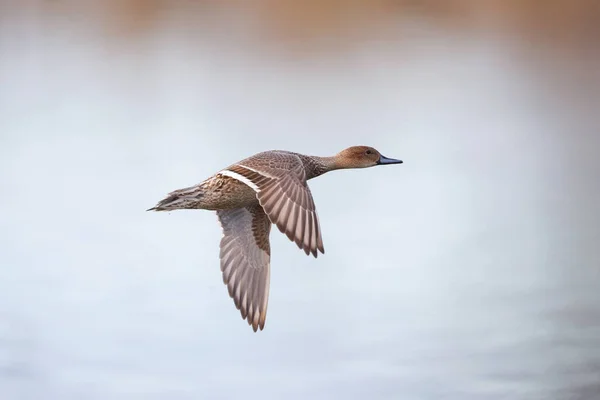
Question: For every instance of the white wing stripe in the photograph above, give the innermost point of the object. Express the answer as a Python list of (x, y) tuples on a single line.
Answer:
[(240, 178)]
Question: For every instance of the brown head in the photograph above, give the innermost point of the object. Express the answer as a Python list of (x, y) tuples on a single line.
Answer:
[(362, 157)]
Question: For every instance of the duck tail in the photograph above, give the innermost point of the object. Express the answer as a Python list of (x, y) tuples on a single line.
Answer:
[(180, 199)]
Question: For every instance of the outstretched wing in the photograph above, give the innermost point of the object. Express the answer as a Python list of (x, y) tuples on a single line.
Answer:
[(283, 193), (245, 261)]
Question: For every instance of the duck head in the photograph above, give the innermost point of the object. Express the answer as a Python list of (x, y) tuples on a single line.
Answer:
[(362, 157)]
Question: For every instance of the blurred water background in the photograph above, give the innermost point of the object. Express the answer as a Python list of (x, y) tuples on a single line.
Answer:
[(472, 271)]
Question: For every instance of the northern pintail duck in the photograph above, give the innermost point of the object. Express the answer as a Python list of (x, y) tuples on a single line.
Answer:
[(249, 196)]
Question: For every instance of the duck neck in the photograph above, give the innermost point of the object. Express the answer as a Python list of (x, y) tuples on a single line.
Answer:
[(316, 166)]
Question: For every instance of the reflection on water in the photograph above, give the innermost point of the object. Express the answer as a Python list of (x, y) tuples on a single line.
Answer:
[(469, 272)]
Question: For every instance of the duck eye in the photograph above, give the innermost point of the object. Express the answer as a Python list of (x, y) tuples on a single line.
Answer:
[(368, 152)]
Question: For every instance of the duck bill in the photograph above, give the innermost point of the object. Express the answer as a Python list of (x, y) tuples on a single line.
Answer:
[(384, 161)]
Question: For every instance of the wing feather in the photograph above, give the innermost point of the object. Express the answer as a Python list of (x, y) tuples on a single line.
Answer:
[(245, 261), (284, 195)]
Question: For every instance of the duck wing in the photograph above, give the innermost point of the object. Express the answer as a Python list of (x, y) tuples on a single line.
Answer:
[(245, 261), (279, 179)]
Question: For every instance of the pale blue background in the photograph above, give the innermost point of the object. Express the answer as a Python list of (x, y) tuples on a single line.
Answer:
[(471, 271)]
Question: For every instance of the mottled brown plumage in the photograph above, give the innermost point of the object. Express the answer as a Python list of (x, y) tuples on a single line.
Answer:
[(269, 187)]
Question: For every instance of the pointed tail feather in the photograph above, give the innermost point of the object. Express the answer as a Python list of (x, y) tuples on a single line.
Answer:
[(180, 199)]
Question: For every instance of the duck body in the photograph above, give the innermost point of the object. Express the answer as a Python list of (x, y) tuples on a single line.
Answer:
[(251, 195), (229, 188)]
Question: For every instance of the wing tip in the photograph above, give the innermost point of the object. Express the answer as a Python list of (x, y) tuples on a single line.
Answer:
[(314, 251), (257, 323)]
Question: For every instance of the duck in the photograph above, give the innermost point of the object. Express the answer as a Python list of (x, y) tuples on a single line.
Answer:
[(268, 188)]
